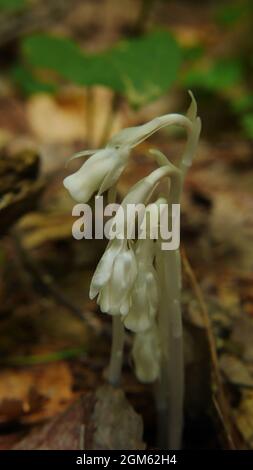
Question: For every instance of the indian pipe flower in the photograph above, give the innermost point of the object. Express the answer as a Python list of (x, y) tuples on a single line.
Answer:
[(102, 170), (117, 270), (114, 278), (144, 294)]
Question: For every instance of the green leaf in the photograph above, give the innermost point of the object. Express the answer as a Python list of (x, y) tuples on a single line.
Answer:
[(229, 15), (54, 53), (193, 52), (219, 76), (64, 56), (12, 5), (142, 69), (243, 103), (247, 124), (29, 83), (147, 66)]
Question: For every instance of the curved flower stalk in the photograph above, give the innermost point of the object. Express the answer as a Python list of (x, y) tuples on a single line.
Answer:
[(102, 170), (193, 138)]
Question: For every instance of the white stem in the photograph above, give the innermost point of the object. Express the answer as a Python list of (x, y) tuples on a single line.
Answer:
[(170, 393), (175, 345), (117, 348), (118, 332), (171, 387), (162, 386)]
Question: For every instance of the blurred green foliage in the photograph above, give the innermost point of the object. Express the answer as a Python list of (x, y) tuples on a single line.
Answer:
[(231, 13), (29, 83), (12, 5), (147, 66), (144, 68), (141, 69), (247, 123), (230, 74), (219, 75)]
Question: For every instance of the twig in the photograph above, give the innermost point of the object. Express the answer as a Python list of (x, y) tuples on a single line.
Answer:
[(218, 391)]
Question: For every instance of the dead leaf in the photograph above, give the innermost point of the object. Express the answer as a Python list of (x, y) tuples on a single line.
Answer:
[(104, 420), (117, 425), (244, 417), (73, 115), (19, 188), (41, 228), (57, 121), (242, 335), (33, 394), (235, 371), (69, 431)]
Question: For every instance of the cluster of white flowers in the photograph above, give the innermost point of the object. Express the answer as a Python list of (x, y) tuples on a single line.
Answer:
[(125, 281), (126, 284)]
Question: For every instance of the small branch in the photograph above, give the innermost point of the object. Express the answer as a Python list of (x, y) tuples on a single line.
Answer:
[(218, 391)]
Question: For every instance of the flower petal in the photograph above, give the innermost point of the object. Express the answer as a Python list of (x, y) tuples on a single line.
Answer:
[(104, 267), (147, 355), (87, 180)]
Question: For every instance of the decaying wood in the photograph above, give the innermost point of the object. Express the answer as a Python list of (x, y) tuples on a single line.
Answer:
[(19, 187)]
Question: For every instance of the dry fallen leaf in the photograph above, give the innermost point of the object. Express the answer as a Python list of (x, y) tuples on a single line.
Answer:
[(57, 121), (40, 228), (235, 371), (20, 188), (69, 431), (33, 394), (244, 417), (117, 425), (103, 420), (242, 335), (75, 114)]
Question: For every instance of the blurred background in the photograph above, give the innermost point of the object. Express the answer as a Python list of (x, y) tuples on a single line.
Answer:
[(72, 73)]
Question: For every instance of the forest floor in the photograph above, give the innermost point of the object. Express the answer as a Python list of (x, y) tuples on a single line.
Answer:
[(54, 342)]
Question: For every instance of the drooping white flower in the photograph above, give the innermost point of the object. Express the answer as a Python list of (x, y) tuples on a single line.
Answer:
[(100, 172), (104, 167), (147, 355), (145, 291), (144, 299), (114, 278), (116, 272)]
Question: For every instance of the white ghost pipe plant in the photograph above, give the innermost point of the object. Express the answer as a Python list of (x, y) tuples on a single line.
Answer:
[(104, 167), (135, 281)]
